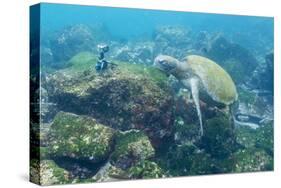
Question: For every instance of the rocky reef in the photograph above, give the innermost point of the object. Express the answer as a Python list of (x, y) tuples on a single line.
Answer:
[(57, 48), (125, 97)]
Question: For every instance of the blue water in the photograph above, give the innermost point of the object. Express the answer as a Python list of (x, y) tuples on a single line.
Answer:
[(124, 23)]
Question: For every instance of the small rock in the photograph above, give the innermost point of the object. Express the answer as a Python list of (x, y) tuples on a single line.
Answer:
[(48, 173), (131, 147)]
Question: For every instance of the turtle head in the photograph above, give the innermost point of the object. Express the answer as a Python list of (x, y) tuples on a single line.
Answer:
[(166, 63)]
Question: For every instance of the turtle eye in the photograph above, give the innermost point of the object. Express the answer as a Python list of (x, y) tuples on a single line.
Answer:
[(162, 62), (166, 66)]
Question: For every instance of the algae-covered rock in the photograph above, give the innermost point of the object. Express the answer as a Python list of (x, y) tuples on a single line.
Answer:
[(145, 170), (51, 174), (141, 170), (246, 136), (257, 151), (262, 137), (131, 147), (183, 132), (252, 160), (80, 137), (265, 138), (110, 173), (126, 96), (219, 139), (187, 159)]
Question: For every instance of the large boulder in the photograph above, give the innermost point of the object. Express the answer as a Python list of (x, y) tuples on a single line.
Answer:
[(124, 97), (80, 137)]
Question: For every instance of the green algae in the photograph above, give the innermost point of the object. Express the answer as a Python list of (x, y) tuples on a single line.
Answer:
[(252, 160), (219, 139), (132, 145), (86, 61), (186, 159), (265, 138), (82, 74), (110, 173), (124, 96), (145, 72), (246, 136), (50, 173), (146, 170), (80, 137), (262, 137), (184, 133)]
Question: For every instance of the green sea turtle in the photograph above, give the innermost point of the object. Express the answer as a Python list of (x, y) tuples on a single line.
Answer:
[(200, 73)]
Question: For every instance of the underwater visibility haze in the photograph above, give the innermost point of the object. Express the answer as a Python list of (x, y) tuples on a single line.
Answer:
[(121, 94)]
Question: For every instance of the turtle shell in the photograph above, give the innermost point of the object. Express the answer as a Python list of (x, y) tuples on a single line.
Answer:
[(216, 81)]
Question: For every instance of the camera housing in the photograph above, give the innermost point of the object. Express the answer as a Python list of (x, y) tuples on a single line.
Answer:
[(103, 48)]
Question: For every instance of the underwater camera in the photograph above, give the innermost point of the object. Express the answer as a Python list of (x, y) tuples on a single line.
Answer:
[(102, 62)]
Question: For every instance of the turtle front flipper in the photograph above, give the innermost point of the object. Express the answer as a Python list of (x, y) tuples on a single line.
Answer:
[(194, 84)]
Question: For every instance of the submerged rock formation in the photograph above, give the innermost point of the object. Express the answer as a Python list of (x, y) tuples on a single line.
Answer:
[(124, 97)]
